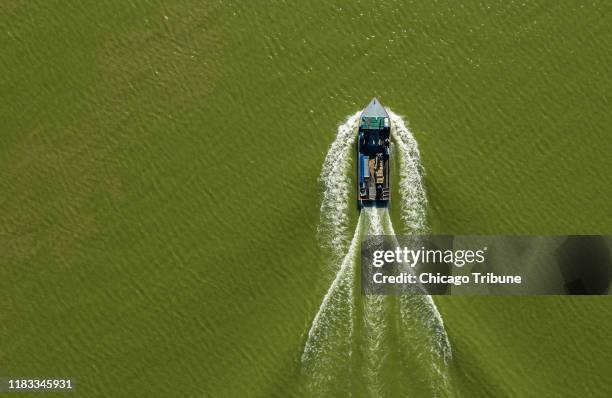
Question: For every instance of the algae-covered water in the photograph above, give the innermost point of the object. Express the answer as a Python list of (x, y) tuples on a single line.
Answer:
[(161, 223)]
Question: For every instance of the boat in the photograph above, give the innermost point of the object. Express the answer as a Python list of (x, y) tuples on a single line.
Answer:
[(374, 152)]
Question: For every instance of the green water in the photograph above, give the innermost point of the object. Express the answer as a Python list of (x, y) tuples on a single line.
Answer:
[(159, 169)]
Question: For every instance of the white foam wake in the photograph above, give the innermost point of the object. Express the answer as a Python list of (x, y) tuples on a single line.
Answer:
[(420, 309), (375, 321), (412, 193), (336, 182), (342, 283), (326, 359)]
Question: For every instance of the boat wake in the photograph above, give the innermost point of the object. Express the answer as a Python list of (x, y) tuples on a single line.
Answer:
[(334, 218), (354, 339)]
